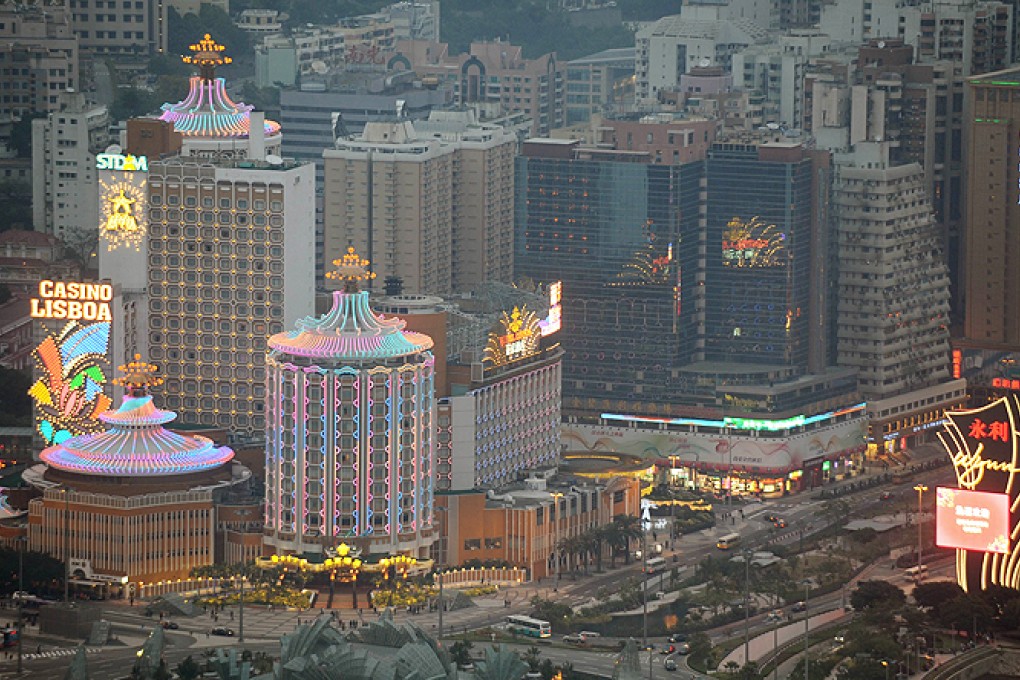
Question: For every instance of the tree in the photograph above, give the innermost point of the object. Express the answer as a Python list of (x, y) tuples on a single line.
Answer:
[(460, 652), (188, 669), (532, 657), (932, 594), (877, 594), (15, 404), (81, 246), (623, 530), (550, 611)]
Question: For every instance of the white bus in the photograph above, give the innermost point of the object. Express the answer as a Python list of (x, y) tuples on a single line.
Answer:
[(525, 625), (654, 565), (728, 541)]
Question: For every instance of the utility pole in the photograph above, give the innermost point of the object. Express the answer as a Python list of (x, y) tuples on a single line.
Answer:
[(67, 547), (240, 616), (644, 586), (807, 619), (21, 597), (747, 604), (920, 489)]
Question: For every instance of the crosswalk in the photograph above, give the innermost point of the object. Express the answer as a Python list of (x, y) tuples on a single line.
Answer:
[(66, 651)]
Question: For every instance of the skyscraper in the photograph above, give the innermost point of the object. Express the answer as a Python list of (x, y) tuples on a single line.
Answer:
[(991, 243), (432, 206), (350, 450), (231, 244)]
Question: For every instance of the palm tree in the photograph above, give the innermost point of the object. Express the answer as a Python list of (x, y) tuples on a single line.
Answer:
[(625, 529)]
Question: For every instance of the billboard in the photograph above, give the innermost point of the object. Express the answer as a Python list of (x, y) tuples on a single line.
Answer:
[(981, 444), (972, 520)]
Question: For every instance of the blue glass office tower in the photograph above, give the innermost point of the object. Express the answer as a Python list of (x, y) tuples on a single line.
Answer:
[(615, 231)]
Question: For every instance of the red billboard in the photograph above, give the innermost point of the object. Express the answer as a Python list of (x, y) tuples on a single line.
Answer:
[(972, 520)]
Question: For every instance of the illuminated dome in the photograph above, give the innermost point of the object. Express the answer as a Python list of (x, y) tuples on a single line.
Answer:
[(136, 444), (208, 111), (350, 330)]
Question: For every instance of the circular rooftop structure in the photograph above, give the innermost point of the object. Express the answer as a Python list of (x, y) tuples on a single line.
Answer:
[(350, 330), (135, 443), (208, 111)]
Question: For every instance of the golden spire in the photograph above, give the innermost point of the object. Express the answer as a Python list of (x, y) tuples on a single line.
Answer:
[(208, 54), (351, 269), (138, 377)]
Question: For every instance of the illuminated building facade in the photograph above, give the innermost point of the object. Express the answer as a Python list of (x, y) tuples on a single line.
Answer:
[(978, 517), (612, 231), (231, 261), (210, 122), (498, 385), (230, 248), (350, 430), (136, 502)]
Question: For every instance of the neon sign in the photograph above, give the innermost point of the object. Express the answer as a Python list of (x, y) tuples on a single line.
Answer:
[(72, 301), (116, 161), (516, 337), (122, 203), (752, 243), (69, 394), (972, 520), (554, 321), (982, 447)]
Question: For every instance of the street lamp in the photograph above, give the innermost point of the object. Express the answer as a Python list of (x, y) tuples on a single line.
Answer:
[(920, 489), (747, 603), (885, 663), (67, 547)]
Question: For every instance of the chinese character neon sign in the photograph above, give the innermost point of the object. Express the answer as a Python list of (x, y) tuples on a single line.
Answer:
[(72, 301), (516, 337), (752, 243)]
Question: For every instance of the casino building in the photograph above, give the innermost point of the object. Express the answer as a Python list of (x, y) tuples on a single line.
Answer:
[(137, 503), (350, 424)]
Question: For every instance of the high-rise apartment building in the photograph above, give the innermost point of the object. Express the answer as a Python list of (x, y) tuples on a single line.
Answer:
[(230, 254), (991, 243), (977, 34), (64, 177), (130, 28), (432, 206), (493, 77), (38, 59), (893, 309), (231, 261), (700, 35)]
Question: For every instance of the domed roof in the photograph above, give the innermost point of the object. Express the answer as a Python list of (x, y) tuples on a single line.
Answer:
[(208, 111), (350, 330), (136, 444)]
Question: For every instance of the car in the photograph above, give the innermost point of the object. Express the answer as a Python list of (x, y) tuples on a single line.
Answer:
[(798, 607), (589, 634), (777, 615), (669, 664), (222, 632), (169, 625), (573, 639), (678, 637), (779, 523), (647, 647), (888, 496), (770, 518), (668, 650), (683, 649)]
